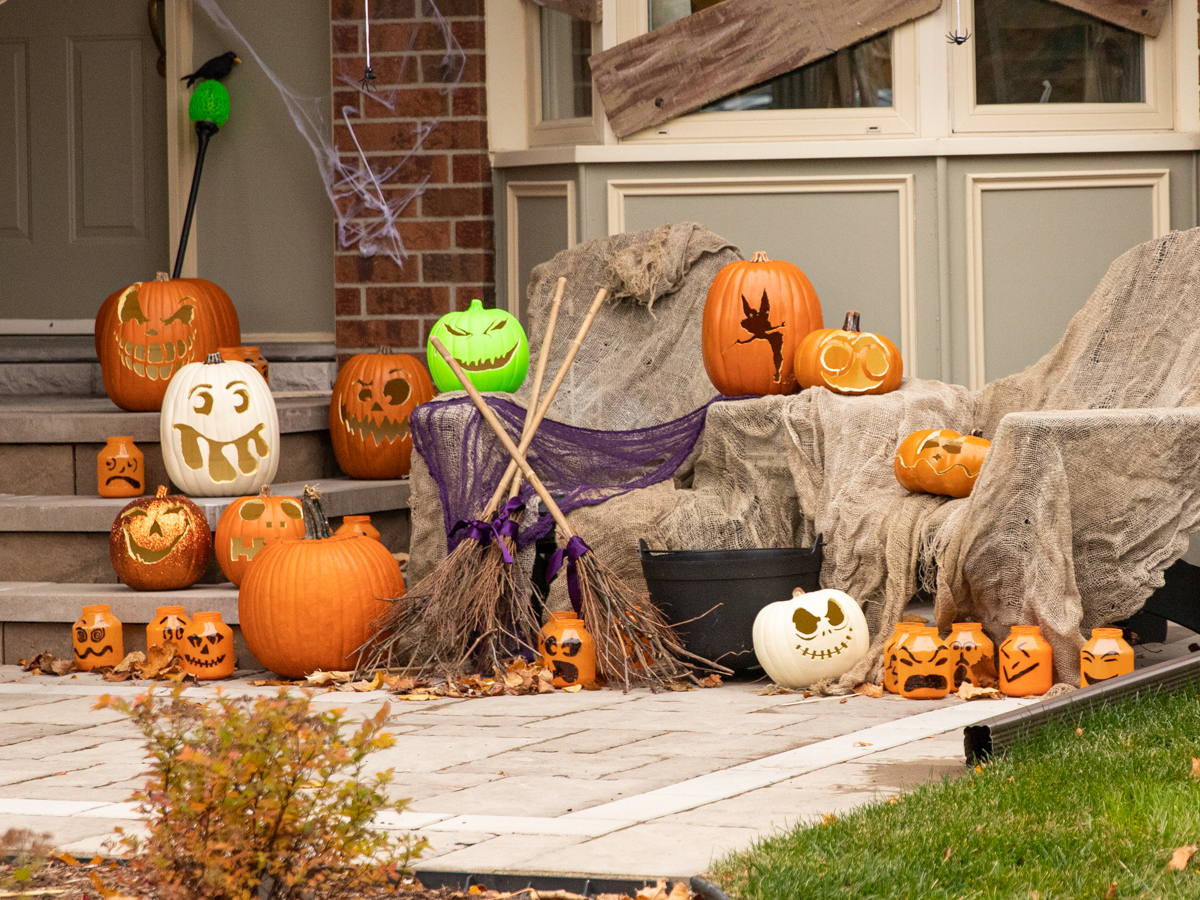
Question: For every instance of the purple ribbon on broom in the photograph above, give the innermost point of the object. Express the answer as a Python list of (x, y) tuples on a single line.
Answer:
[(505, 524), (572, 552)]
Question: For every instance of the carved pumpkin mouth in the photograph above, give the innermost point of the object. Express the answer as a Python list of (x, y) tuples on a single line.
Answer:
[(155, 361), (487, 365), (148, 556), (219, 468), (92, 651), (828, 652), (919, 682), (386, 431)]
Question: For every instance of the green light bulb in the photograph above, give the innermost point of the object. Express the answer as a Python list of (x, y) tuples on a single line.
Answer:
[(209, 103)]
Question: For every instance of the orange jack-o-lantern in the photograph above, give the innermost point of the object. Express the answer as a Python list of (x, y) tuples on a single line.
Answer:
[(160, 543), (97, 638), (358, 525), (368, 413), (250, 523), (252, 356), (848, 361), (207, 647), (969, 646), (891, 659), (120, 469), (1026, 662), (169, 624), (568, 649), (147, 332), (925, 666), (1105, 656), (940, 461)]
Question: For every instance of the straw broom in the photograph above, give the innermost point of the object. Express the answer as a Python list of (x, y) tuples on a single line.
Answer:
[(634, 643), (474, 610)]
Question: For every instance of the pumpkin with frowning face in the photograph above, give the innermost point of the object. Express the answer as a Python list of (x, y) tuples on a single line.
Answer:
[(1026, 662), (813, 636), (207, 647), (849, 361), (250, 523), (489, 344), (160, 543), (924, 666), (941, 461), (368, 413), (147, 332)]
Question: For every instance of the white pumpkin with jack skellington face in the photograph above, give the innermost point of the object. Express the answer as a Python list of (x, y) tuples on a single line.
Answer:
[(813, 636), (219, 429)]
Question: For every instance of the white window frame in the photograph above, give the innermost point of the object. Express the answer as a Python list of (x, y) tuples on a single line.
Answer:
[(1157, 113), (553, 132)]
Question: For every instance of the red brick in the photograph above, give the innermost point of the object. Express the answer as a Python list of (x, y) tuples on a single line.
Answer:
[(472, 168), (409, 103), (465, 293), (346, 9), (391, 301), (475, 234), (398, 9), (347, 302), (468, 101), (394, 37), (347, 98), (468, 33), (457, 203), (419, 235), (457, 268), (389, 69), (412, 168), (432, 71), (354, 268), (463, 8), (373, 333), (345, 38)]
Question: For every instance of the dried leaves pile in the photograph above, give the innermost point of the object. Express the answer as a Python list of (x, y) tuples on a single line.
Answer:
[(160, 663)]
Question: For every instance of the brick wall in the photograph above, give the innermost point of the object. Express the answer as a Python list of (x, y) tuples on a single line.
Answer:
[(448, 229)]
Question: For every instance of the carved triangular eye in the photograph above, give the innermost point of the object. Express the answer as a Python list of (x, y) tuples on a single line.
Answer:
[(805, 622), (834, 614), (129, 308)]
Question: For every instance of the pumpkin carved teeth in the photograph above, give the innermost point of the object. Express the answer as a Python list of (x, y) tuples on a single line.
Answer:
[(828, 652), (384, 432), (487, 365), (155, 361), (219, 468)]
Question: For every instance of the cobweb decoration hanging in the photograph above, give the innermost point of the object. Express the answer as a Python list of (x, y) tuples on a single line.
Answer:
[(366, 207)]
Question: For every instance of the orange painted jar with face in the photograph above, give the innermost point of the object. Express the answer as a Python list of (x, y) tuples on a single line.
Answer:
[(207, 647), (170, 622), (924, 665), (568, 650), (891, 659), (358, 525), (968, 645), (1105, 656), (120, 469), (1026, 662)]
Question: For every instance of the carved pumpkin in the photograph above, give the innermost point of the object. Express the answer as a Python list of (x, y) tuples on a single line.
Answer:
[(925, 667), (568, 649), (848, 361), (755, 316), (940, 461), (968, 645), (147, 332), (310, 604), (489, 344), (891, 659), (219, 430), (813, 636), (1105, 656), (368, 413), (169, 624), (97, 638), (250, 523), (251, 356), (207, 647), (160, 543), (358, 525), (120, 469), (1026, 662)]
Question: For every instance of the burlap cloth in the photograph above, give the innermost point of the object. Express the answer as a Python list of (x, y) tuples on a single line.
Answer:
[(1089, 492)]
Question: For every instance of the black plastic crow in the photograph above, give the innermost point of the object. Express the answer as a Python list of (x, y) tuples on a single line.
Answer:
[(216, 69)]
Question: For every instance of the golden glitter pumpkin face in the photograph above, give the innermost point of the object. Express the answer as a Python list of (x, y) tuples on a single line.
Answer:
[(152, 533)]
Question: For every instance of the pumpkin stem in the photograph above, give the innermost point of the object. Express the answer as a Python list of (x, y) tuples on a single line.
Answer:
[(162, 276), (161, 492), (760, 256), (316, 525), (213, 358), (265, 491), (976, 432), (852, 319)]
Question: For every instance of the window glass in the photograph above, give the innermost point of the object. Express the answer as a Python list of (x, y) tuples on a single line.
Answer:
[(1034, 51), (857, 76), (566, 76)]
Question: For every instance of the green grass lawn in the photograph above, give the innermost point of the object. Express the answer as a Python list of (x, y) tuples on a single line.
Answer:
[(1062, 817)]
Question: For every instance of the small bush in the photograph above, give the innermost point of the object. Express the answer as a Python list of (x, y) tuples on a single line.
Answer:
[(27, 851), (261, 798)]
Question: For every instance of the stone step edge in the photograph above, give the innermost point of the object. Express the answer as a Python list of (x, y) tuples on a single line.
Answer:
[(45, 602)]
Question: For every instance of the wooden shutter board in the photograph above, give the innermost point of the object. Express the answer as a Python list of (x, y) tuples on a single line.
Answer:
[(736, 44), (1143, 16), (587, 10)]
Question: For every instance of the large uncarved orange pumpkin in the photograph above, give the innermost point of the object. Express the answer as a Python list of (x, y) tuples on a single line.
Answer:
[(147, 332), (756, 314), (310, 604), (368, 413)]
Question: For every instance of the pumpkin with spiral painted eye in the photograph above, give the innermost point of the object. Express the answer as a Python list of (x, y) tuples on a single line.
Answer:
[(489, 344), (147, 332), (97, 638), (849, 361), (160, 543), (250, 523), (169, 624), (368, 413), (813, 636), (941, 461)]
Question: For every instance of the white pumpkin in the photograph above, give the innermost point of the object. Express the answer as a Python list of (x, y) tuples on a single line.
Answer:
[(817, 635), (219, 429)]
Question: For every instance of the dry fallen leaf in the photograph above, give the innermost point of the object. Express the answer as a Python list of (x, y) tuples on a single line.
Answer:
[(573, 688), (711, 681), (866, 689), (1079, 731), (912, 617), (828, 818), (1111, 893), (679, 891), (984, 674), (947, 856), (680, 686), (1196, 766), (968, 691), (1181, 857), (861, 744), (45, 663), (653, 892)]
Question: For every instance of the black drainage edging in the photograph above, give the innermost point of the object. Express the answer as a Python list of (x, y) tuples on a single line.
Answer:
[(576, 884), (996, 735)]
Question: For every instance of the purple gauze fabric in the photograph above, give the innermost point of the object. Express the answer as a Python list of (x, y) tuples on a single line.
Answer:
[(579, 466)]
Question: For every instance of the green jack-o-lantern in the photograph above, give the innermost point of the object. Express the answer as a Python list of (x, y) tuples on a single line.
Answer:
[(209, 103), (489, 344)]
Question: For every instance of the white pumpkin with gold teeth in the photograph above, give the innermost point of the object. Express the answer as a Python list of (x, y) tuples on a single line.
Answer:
[(219, 429), (810, 637)]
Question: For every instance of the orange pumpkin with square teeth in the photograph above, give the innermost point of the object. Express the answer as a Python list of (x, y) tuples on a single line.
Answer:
[(924, 665)]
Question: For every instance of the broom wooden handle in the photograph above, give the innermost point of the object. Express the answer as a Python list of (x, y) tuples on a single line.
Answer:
[(544, 406), (502, 435)]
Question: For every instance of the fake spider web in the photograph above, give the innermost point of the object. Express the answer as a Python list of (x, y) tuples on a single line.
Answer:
[(366, 207)]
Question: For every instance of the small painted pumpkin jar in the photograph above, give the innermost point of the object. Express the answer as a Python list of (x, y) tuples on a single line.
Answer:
[(568, 649), (249, 355), (924, 665), (120, 469), (969, 645), (1105, 656), (170, 623), (1026, 662), (97, 638), (891, 660), (358, 525), (208, 647)]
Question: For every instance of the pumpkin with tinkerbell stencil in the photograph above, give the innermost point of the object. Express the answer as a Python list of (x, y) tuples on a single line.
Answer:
[(489, 344)]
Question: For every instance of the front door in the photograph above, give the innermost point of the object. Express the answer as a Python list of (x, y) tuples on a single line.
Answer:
[(83, 163)]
